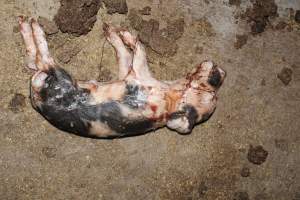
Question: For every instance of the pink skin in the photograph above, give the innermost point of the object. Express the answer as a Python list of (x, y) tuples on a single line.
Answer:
[(36, 49), (163, 98)]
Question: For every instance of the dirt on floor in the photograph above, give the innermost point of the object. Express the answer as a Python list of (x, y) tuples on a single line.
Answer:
[(248, 150)]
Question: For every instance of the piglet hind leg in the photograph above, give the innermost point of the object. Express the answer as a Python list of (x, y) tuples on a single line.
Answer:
[(140, 64), (124, 57), (27, 35), (37, 53), (44, 59), (33, 54)]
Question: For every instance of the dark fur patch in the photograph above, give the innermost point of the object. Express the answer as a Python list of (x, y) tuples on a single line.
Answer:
[(62, 101), (110, 114), (177, 114), (59, 90), (133, 96), (189, 112), (66, 120), (215, 78)]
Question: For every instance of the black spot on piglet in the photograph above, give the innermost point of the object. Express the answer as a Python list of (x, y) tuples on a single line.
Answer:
[(189, 112), (215, 78), (111, 114), (133, 97), (66, 120), (62, 102)]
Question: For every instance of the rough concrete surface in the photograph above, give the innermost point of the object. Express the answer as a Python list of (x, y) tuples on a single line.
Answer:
[(249, 149)]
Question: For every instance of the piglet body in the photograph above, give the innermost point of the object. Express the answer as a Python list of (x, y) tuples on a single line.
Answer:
[(135, 104)]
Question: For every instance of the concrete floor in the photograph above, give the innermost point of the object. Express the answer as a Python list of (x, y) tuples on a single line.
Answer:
[(249, 149)]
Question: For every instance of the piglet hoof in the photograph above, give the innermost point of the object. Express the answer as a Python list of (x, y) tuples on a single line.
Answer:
[(128, 38), (105, 27)]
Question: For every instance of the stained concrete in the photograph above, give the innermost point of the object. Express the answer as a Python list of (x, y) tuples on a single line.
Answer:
[(256, 110)]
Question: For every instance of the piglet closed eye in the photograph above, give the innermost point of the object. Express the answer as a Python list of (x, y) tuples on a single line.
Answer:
[(135, 104)]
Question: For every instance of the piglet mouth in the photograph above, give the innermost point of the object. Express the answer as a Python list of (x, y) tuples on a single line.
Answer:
[(38, 80)]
